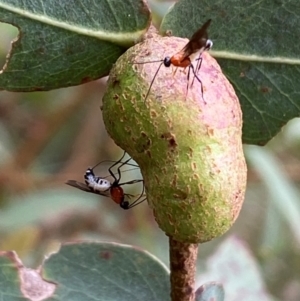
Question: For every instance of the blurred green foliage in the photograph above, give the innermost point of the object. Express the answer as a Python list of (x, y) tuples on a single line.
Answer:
[(47, 138)]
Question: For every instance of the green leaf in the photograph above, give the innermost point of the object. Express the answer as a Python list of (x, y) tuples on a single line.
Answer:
[(65, 43), (284, 197), (38, 204), (256, 45), (210, 291), (9, 281), (107, 271), (235, 267), (89, 271)]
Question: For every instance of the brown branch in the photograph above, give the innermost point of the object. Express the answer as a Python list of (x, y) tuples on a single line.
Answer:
[(183, 257)]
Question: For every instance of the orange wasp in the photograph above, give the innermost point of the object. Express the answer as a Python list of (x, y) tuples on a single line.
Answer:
[(198, 43), (102, 186)]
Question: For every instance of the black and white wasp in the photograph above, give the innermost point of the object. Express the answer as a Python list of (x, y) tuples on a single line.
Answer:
[(111, 189)]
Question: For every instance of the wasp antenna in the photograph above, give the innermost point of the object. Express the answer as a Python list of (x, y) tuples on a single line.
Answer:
[(140, 63), (153, 80), (116, 162), (101, 163)]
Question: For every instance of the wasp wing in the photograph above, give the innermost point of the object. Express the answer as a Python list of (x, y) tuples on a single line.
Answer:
[(85, 188), (79, 185), (197, 41)]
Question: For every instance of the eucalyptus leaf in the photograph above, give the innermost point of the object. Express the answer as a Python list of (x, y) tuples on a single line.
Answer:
[(65, 43), (9, 279), (284, 196), (256, 45), (210, 291), (35, 206), (233, 266), (87, 271)]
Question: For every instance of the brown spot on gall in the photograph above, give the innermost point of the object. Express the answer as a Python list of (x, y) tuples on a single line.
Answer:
[(210, 131), (153, 113), (149, 154), (174, 182), (115, 82), (164, 170), (157, 179), (170, 138), (181, 195), (143, 142), (172, 142), (196, 176)]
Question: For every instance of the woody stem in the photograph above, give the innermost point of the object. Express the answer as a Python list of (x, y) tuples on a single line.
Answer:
[(183, 258)]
